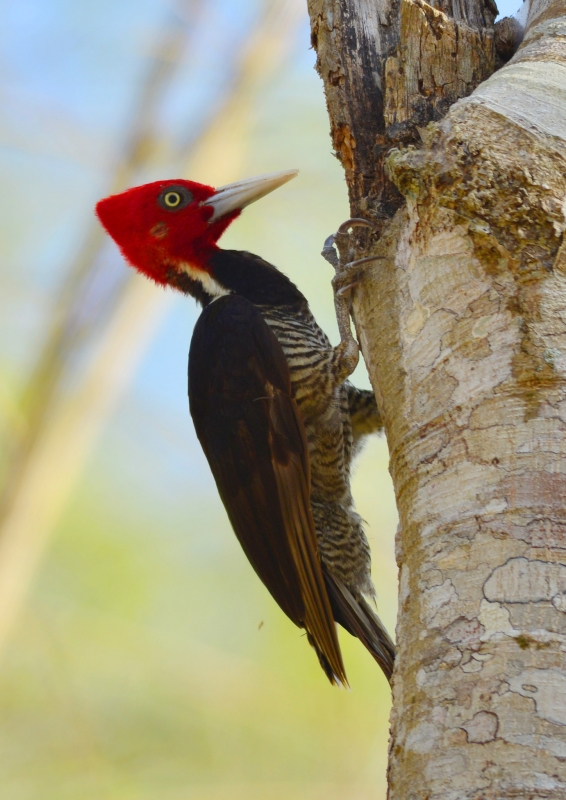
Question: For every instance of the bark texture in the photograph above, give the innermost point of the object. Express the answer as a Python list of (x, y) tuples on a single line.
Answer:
[(352, 41), (438, 60), (363, 49), (470, 316), (463, 328)]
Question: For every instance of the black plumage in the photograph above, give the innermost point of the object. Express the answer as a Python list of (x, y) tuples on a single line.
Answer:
[(251, 432), (279, 427)]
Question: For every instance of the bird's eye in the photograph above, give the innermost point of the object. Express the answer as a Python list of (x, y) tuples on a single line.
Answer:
[(174, 197)]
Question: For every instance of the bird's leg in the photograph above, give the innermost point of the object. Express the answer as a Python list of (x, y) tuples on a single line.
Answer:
[(347, 275)]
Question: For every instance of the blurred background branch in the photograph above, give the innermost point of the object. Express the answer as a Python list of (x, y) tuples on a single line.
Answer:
[(108, 319), (140, 655)]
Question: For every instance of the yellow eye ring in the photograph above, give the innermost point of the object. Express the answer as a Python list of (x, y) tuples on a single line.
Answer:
[(172, 199)]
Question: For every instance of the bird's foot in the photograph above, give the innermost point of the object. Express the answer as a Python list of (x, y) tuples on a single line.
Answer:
[(341, 241), (338, 251), (350, 275)]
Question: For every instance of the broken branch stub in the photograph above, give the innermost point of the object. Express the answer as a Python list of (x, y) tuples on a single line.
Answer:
[(387, 69), (437, 62)]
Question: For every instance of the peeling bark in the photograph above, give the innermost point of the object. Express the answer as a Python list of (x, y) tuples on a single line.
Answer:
[(438, 61), (463, 328), (354, 41)]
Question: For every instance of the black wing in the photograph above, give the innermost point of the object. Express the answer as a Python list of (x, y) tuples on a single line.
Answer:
[(252, 434)]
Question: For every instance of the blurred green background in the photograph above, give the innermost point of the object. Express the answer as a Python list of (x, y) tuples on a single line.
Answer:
[(140, 657)]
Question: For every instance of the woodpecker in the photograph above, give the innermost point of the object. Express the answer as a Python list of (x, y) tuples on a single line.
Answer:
[(271, 404)]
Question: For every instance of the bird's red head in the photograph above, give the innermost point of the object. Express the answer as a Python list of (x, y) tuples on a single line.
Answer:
[(175, 224)]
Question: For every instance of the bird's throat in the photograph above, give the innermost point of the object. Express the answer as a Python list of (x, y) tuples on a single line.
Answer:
[(209, 284)]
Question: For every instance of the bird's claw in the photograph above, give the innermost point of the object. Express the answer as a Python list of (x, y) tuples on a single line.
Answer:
[(329, 252), (354, 222), (338, 251), (349, 276), (343, 281)]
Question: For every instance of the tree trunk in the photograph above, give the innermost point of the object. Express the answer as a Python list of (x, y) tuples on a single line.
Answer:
[(463, 328)]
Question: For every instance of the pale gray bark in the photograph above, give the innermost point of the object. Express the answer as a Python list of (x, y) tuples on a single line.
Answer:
[(463, 327)]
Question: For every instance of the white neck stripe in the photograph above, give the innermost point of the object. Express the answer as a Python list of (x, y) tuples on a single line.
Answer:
[(208, 283)]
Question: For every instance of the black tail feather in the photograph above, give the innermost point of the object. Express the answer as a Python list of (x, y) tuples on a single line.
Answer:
[(359, 619), (334, 679)]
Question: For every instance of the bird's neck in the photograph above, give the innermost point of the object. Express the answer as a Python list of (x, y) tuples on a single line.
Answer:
[(237, 272)]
